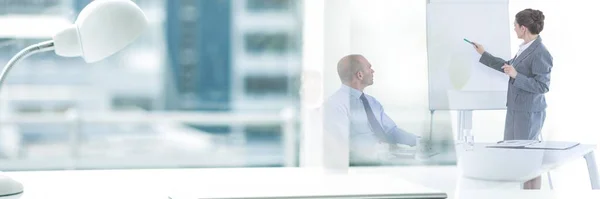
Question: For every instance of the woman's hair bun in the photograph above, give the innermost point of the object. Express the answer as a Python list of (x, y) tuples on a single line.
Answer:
[(537, 16)]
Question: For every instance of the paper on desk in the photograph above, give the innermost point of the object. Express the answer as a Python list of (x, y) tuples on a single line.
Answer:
[(514, 143)]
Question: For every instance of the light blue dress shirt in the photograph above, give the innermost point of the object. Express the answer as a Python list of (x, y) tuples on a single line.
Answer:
[(345, 117)]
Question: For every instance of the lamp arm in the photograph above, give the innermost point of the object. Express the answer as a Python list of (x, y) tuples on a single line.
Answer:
[(17, 187), (30, 50)]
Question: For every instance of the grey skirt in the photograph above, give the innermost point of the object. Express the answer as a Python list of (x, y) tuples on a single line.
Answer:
[(522, 125)]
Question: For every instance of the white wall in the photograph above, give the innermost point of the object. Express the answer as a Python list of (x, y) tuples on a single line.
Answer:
[(570, 36)]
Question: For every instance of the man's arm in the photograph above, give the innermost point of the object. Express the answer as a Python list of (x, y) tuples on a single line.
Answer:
[(389, 126)]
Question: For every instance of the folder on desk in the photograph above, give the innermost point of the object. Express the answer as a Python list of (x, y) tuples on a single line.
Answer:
[(534, 144)]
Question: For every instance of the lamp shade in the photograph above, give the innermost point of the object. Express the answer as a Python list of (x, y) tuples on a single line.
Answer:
[(102, 28)]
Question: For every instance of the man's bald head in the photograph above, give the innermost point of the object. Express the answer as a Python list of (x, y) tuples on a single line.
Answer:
[(349, 65)]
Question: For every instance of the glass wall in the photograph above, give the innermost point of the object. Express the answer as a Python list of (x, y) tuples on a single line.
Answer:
[(220, 83), (208, 84)]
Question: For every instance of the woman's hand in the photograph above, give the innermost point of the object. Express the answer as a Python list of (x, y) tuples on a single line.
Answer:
[(510, 70), (479, 48)]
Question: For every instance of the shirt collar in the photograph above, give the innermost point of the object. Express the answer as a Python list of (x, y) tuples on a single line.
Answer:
[(525, 46), (352, 91)]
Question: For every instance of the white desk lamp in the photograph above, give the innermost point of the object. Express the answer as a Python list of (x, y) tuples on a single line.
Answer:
[(102, 28)]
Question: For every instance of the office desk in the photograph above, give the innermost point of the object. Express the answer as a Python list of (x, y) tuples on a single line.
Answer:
[(448, 179), (216, 183), (521, 165)]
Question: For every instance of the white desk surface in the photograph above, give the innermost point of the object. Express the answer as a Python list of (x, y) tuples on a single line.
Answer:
[(159, 184), (528, 194), (276, 182), (215, 183), (446, 178)]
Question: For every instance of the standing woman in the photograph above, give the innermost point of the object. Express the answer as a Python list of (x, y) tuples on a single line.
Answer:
[(529, 73)]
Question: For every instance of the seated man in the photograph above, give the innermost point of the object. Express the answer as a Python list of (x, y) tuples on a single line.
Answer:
[(351, 114)]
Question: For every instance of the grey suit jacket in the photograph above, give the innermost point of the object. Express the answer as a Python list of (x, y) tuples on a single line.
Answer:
[(526, 91)]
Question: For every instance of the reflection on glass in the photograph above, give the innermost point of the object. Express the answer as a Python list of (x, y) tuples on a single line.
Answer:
[(265, 5), (202, 87)]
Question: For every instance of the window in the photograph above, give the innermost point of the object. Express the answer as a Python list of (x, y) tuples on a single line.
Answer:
[(263, 134), (131, 103), (190, 109), (30, 109), (272, 43), (31, 6), (53, 107), (269, 5), (266, 85), (11, 46)]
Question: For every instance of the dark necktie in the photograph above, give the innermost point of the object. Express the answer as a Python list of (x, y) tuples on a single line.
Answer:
[(377, 129)]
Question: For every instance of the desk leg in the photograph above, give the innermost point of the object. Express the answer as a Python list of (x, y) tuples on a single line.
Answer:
[(592, 169)]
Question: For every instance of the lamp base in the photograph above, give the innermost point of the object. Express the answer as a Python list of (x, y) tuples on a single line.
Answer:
[(9, 188)]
